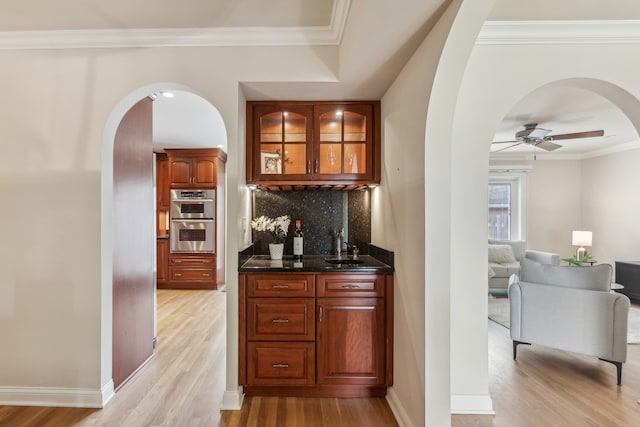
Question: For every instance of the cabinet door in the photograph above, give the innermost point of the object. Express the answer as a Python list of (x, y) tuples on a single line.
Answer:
[(343, 137), (350, 341), (162, 181), (281, 141), (180, 172), (204, 172), (162, 259)]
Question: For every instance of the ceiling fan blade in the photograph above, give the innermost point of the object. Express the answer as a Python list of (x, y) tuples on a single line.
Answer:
[(588, 134), (506, 148), (547, 145)]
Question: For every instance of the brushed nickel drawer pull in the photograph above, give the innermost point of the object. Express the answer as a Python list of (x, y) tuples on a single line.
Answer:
[(317, 168), (178, 274), (309, 167), (177, 261), (350, 287), (280, 320), (206, 275), (281, 365), (320, 314), (280, 286)]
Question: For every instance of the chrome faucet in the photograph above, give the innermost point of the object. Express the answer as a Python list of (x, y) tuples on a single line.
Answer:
[(339, 239)]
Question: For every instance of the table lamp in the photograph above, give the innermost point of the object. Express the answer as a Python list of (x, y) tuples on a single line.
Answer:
[(581, 239)]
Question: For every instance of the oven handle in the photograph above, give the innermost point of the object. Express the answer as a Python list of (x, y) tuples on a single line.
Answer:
[(192, 220)]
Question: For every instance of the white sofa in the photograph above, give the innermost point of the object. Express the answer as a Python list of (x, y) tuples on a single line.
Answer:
[(570, 308), (504, 262)]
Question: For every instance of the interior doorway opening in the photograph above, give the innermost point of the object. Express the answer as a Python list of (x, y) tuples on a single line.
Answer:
[(188, 122)]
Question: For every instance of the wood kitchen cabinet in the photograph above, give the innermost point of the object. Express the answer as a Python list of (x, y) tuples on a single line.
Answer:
[(185, 169), (189, 271), (162, 260), (194, 168), (162, 181), (300, 145), (351, 334), (316, 334)]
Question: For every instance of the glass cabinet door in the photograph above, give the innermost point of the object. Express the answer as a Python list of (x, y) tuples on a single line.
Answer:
[(343, 134), (282, 142)]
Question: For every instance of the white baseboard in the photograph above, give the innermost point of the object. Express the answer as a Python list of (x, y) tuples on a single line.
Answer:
[(398, 409), (232, 400), (107, 393), (50, 396), (468, 404)]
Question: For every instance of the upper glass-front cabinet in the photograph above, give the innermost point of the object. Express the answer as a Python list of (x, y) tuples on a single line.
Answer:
[(282, 141), (343, 133), (321, 143)]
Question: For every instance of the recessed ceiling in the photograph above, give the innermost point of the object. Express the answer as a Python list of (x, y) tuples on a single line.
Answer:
[(566, 110)]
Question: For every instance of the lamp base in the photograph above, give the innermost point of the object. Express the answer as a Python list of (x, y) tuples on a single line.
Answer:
[(581, 253)]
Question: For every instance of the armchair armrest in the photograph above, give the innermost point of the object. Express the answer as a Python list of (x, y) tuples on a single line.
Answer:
[(542, 257)]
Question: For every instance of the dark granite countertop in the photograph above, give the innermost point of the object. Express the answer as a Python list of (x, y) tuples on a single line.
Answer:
[(312, 263)]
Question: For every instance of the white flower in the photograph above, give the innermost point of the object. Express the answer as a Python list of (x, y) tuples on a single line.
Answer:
[(278, 227)]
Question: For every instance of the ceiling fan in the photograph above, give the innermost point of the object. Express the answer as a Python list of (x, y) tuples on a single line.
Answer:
[(539, 137)]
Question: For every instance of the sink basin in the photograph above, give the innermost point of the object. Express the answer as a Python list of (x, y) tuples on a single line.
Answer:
[(349, 261)]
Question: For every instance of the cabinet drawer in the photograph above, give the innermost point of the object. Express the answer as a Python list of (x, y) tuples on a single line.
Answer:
[(195, 261), (280, 285), (281, 363), (190, 274), (351, 285), (281, 319)]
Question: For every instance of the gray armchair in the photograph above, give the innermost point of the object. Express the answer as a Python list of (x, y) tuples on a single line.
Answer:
[(570, 308), (501, 269)]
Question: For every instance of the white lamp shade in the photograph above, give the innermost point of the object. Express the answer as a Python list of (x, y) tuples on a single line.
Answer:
[(582, 238)]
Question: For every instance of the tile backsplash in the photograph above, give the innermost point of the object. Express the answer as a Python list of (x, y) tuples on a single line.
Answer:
[(322, 213)]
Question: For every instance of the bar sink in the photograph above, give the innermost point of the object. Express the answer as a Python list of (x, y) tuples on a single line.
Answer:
[(343, 260)]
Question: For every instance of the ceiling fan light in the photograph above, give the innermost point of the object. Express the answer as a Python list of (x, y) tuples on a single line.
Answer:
[(533, 133)]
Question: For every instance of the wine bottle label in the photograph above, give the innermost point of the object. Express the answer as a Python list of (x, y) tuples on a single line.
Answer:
[(297, 246)]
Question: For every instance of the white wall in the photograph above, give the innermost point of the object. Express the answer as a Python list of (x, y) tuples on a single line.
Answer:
[(54, 310), (411, 168), (497, 76)]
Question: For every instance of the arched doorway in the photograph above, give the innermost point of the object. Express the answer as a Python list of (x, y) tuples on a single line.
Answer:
[(190, 107)]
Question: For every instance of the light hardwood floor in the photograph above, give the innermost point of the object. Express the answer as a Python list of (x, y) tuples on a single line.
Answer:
[(550, 388), (183, 384)]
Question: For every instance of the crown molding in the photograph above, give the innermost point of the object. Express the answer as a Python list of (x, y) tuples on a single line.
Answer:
[(559, 32), (330, 35)]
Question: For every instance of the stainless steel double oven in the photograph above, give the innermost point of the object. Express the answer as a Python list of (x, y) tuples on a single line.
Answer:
[(192, 221)]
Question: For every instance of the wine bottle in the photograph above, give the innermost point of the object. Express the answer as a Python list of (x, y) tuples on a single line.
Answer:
[(298, 248)]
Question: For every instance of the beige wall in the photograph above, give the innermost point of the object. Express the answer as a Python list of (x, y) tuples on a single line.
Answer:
[(554, 205), (596, 194), (611, 206), (57, 108)]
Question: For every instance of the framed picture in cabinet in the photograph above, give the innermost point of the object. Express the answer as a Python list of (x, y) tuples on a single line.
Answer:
[(270, 163)]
